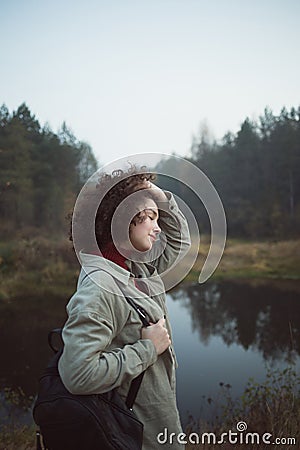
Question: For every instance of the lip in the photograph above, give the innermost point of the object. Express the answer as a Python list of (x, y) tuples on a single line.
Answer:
[(152, 237)]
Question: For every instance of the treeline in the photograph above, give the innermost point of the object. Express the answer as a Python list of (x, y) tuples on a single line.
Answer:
[(256, 173), (41, 172)]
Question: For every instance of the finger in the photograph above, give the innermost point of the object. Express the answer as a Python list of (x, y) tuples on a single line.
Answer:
[(147, 182), (161, 321)]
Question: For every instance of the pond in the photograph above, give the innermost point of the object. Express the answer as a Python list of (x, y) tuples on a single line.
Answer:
[(223, 332), (228, 332)]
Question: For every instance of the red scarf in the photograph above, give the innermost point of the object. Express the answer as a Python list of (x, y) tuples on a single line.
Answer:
[(110, 252)]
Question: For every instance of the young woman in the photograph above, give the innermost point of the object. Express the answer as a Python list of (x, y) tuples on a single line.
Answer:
[(140, 233)]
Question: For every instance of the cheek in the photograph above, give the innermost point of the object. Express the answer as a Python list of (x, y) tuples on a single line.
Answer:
[(134, 232), (138, 231)]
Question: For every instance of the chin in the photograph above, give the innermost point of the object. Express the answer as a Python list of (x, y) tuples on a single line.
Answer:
[(146, 248), (142, 246)]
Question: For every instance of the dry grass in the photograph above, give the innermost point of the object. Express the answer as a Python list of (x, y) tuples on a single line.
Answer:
[(27, 265), (271, 407), (33, 265), (18, 438), (276, 260)]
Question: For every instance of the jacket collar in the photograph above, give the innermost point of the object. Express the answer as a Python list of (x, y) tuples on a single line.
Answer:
[(91, 262)]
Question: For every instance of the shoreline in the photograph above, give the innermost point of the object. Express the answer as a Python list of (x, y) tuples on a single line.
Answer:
[(252, 260), (40, 264)]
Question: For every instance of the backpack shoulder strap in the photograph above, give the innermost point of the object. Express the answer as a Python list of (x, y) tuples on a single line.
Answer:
[(129, 300)]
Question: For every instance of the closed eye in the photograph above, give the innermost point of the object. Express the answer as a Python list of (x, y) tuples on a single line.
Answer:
[(151, 214)]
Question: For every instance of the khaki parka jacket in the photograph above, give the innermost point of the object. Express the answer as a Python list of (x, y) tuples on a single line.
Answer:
[(103, 348)]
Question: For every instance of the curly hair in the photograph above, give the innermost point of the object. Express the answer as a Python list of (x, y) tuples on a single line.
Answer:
[(118, 186), (123, 185)]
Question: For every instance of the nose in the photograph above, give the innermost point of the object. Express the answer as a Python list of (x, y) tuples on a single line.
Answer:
[(156, 228)]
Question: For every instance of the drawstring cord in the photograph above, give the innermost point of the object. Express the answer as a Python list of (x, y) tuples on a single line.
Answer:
[(38, 440)]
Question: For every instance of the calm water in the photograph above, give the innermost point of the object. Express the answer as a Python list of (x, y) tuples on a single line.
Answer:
[(223, 332), (229, 332)]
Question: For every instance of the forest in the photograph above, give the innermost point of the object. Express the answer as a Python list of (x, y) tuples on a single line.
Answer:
[(41, 173), (255, 171)]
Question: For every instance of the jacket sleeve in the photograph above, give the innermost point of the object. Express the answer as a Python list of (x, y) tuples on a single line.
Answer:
[(175, 235), (88, 365)]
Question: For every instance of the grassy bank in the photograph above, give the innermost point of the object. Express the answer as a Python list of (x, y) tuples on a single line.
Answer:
[(256, 259), (38, 264)]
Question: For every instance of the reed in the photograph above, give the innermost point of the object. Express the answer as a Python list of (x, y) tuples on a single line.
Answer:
[(271, 408)]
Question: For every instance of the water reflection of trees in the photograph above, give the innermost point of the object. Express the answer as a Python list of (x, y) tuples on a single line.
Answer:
[(262, 317)]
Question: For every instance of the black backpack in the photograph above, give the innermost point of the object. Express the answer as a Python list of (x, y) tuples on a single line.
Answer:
[(86, 422)]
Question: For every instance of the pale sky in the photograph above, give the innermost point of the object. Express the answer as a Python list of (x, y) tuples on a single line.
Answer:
[(141, 76)]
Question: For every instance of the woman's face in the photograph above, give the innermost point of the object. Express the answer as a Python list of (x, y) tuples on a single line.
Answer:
[(144, 230)]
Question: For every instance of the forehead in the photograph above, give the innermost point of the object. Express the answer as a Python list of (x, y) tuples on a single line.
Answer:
[(147, 203)]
